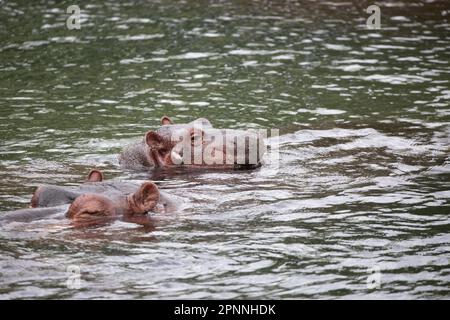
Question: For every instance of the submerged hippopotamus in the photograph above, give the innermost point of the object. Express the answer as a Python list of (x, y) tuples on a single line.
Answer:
[(194, 144), (96, 201)]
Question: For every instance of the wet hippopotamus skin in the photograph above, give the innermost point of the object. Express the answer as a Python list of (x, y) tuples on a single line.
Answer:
[(31, 214), (195, 144), (96, 201)]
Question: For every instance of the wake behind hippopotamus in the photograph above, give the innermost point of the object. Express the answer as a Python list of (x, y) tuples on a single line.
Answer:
[(196, 144), (95, 202)]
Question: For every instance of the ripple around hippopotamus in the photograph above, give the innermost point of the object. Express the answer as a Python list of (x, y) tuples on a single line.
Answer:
[(361, 188)]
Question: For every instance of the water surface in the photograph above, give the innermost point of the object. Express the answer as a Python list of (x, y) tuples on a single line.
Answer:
[(364, 176)]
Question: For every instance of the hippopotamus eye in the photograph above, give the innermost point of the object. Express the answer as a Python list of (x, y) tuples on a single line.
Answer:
[(196, 137)]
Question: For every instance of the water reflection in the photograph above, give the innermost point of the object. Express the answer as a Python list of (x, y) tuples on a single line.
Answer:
[(364, 167)]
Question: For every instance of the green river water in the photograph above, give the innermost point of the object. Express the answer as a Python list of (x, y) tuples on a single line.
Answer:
[(363, 181)]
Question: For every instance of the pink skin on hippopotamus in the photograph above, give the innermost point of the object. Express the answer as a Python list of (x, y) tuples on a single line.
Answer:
[(96, 201), (92, 209), (195, 144)]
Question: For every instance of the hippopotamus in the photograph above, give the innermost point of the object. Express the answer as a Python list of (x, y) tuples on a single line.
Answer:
[(194, 144), (96, 201)]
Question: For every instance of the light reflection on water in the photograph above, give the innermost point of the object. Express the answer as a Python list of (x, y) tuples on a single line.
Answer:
[(364, 152)]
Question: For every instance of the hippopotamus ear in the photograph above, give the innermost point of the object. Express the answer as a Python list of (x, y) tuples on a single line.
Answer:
[(146, 198), (95, 176), (166, 120), (152, 138)]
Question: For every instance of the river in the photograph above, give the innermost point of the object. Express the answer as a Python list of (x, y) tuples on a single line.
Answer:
[(356, 208)]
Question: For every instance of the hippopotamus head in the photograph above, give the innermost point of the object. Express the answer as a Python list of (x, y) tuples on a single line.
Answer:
[(91, 208), (96, 201), (199, 144)]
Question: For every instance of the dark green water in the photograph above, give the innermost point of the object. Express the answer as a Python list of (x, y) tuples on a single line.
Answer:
[(364, 177)]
